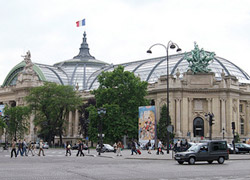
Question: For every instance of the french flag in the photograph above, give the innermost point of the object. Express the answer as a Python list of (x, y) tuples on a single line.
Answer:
[(80, 23)]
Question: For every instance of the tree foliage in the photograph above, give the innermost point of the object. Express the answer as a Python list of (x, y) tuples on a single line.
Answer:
[(163, 124), (51, 103), (121, 93), (84, 116), (2, 123), (17, 122)]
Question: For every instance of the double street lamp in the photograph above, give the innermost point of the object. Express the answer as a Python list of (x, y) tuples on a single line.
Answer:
[(170, 45), (101, 112)]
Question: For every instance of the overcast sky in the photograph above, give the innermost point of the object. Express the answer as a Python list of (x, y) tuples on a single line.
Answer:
[(121, 31)]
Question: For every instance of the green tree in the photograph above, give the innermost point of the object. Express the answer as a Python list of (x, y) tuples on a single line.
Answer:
[(121, 93), (163, 124), (51, 103), (18, 120), (237, 137), (2, 124), (84, 116)]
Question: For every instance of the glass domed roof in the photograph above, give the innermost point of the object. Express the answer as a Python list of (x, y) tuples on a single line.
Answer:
[(151, 69), (82, 71)]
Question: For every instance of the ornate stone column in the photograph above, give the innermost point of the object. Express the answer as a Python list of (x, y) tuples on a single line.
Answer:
[(209, 109), (76, 124), (70, 124), (223, 115), (248, 118), (190, 116), (178, 116)]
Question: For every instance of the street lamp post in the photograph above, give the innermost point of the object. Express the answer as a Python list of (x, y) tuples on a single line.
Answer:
[(101, 112), (172, 46)]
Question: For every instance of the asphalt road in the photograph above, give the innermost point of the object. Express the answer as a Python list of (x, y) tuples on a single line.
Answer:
[(55, 165)]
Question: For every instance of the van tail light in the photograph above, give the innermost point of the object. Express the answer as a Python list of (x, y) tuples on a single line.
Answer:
[(227, 151)]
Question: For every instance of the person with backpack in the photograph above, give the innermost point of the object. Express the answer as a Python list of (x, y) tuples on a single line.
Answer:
[(25, 148)]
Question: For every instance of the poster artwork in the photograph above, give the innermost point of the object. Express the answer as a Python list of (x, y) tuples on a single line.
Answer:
[(147, 123), (1, 109)]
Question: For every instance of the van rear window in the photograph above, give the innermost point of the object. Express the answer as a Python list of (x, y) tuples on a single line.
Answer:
[(218, 146)]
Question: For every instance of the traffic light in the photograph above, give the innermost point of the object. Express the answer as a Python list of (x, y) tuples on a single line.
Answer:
[(211, 116), (233, 125)]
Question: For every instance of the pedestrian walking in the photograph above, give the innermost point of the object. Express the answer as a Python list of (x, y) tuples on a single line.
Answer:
[(30, 148), (133, 147), (115, 147), (119, 148), (178, 146), (148, 145), (80, 148), (13, 148), (20, 148), (41, 148), (24, 148), (68, 147), (159, 149)]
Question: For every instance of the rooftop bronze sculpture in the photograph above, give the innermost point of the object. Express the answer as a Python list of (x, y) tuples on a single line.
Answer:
[(199, 60)]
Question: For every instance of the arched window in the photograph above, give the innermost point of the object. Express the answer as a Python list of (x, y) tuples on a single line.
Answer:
[(242, 126), (198, 127)]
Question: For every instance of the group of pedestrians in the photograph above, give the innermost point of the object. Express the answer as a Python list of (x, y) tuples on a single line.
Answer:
[(23, 148), (80, 147), (181, 145), (118, 148), (135, 147)]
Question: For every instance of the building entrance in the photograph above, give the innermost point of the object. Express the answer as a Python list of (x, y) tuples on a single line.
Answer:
[(198, 127)]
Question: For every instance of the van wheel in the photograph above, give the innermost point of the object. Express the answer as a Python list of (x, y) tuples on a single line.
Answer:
[(180, 162), (221, 160), (191, 160), (210, 162)]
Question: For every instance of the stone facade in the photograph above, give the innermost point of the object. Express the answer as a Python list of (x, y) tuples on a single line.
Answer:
[(191, 98), (194, 96)]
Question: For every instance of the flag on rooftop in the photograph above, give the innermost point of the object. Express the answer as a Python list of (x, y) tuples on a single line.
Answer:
[(80, 23)]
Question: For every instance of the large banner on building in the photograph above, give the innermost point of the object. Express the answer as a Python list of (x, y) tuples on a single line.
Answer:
[(147, 124), (1, 110)]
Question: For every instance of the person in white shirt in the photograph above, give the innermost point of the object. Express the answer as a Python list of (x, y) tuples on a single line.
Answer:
[(41, 148), (159, 149)]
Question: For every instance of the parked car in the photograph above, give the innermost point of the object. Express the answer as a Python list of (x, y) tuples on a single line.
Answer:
[(45, 145), (242, 147), (231, 149), (75, 147), (105, 148), (209, 151)]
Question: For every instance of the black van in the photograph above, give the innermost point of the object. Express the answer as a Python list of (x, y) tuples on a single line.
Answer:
[(214, 150)]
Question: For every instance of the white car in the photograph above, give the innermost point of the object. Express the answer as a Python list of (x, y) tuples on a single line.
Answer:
[(106, 148), (45, 145)]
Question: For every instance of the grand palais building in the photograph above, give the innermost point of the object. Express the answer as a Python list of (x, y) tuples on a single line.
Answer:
[(225, 91)]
